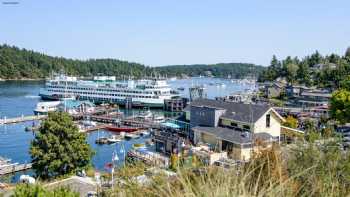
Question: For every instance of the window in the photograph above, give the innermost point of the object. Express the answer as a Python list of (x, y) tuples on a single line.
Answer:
[(233, 124), (268, 120), (247, 127)]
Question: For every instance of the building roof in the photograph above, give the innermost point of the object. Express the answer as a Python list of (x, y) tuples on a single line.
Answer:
[(236, 111), (317, 93), (234, 136)]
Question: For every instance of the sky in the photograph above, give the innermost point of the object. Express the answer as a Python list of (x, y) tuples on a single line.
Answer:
[(168, 32)]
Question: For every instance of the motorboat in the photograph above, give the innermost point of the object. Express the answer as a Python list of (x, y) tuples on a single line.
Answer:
[(129, 136), (145, 133), (43, 108), (145, 115), (114, 139), (102, 140), (158, 119), (89, 123)]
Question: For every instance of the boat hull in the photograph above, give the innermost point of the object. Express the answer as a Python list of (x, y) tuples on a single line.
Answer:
[(120, 102)]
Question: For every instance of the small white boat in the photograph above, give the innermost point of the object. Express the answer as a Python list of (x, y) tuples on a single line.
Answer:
[(173, 79), (89, 123), (145, 133), (145, 115), (114, 139), (131, 136), (158, 119), (42, 108)]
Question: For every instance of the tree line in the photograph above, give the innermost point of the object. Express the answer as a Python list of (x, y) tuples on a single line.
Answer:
[(17, 63), (313, 70), (224, 70)]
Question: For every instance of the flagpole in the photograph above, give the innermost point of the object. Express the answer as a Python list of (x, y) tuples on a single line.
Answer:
[(112, 169)]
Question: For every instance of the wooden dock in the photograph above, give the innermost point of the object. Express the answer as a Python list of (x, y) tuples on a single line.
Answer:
[(14, 168), (90, 129), (153, 158), (21, 119)]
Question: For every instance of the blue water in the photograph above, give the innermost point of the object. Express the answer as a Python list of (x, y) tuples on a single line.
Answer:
[(20, 98)]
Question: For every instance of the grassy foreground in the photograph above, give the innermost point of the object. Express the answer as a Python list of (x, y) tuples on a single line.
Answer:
[(305, 170)]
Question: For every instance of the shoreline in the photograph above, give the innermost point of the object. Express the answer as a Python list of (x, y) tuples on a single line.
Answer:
[(24, 79)]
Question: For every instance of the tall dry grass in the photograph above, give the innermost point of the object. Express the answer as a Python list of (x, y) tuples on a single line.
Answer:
[(307, 170)]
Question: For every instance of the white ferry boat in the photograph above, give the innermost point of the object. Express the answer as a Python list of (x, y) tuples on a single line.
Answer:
[(146, 92)]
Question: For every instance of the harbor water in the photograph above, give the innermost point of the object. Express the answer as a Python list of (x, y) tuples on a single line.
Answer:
[(19, 98)]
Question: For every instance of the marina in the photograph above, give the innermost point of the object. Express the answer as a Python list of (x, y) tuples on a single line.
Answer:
[(20, 98)]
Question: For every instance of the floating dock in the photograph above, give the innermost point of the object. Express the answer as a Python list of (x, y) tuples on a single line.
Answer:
[(21, 119)]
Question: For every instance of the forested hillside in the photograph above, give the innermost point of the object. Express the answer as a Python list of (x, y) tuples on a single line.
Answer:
[(16, 63), (235, 70), (315, 69)]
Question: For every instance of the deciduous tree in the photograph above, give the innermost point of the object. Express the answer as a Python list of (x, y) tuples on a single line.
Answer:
[(340, 106)]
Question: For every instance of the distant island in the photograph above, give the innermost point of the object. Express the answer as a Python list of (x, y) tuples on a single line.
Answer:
[(23, 64)]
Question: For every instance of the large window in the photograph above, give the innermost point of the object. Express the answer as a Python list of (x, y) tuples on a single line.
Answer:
[(233, 124), (246, 127), (268, 117)]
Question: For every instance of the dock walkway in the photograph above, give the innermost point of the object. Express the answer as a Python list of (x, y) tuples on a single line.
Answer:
[(14, 168), (150, 158), (95, 128), (21, 119)]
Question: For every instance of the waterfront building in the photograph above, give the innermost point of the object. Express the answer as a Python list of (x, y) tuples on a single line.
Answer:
[(171, 136), (237, 128), (175, 105)]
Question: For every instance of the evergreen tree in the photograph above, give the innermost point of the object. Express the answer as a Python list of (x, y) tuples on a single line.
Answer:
[(303, 73), (59, 148), (347, 53), (291, 70)]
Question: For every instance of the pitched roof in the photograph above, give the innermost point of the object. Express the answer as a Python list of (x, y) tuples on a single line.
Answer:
[(231, 135), (236, 111)]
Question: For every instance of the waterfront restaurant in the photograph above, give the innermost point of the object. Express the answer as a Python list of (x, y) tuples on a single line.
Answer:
[(237, 128)]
